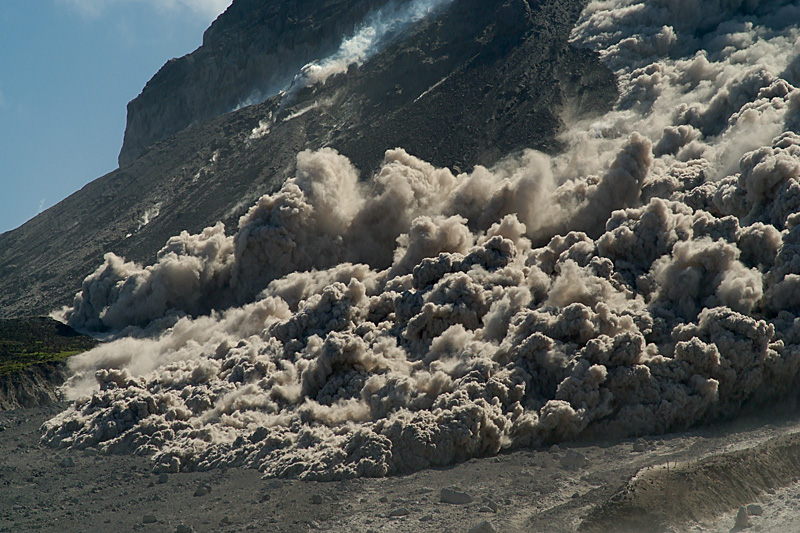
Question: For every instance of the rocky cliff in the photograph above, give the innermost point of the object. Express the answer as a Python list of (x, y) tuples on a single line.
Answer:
[(250, 52), (467, 85)]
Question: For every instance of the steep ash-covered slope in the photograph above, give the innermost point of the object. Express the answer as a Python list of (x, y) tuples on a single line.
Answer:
[(465, 85)]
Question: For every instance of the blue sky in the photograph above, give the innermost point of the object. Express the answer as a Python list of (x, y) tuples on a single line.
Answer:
[(68, 68)]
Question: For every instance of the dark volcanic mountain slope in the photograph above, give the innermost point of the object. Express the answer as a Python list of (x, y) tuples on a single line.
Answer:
[(484, 80), (465, 87)]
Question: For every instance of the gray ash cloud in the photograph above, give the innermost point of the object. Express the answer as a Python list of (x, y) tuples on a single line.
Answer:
[(644, 281)]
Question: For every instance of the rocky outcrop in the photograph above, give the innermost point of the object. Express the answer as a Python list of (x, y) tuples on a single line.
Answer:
[(250, 52), (34, 386)]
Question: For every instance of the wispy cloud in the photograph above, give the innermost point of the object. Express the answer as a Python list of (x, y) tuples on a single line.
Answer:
[(203, 8)]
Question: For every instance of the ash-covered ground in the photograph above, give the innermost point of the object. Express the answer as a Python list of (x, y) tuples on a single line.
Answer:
[(557, 489)]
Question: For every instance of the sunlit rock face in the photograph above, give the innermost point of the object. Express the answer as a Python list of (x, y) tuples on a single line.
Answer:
[(252, 51)]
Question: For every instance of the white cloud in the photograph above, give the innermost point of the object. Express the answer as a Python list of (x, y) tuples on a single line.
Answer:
[(209, 8), (204, 8)]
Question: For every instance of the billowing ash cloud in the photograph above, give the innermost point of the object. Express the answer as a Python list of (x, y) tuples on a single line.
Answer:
[(644, 281)]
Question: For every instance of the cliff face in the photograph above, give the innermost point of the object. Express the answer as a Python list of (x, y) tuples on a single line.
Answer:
[(251, 51), (465, 86)]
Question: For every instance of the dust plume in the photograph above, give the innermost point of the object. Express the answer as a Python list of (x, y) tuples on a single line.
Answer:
[(643, 281)]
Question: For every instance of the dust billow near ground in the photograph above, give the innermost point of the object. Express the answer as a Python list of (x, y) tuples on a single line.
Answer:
[(752, 461)]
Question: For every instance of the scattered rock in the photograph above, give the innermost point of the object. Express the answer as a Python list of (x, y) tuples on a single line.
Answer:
[(640, 445), (162, 478), (755, 509), (67, 462), (483, 527), (455, 496), (202, 490), (426, 518), (383, 499), (172, 465), (485, 509), (555, 448), (274, 484), (149, 519), (742, 520), (258, 435), (399, 511), (573, 459), (491, 504), (184, 529), (316, 499)]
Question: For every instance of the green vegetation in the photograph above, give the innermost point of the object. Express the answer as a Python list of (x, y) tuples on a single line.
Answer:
[(29, 341)]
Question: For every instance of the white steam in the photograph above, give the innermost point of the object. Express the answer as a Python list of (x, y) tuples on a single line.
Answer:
[(376, 30), (645, 281), (374, 33)]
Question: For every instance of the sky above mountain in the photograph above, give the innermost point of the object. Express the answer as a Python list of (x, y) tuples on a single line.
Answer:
[(68, 68)]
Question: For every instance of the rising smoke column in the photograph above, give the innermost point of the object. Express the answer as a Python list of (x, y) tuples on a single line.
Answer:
[(642, 282), (377, 30), (372, 35)]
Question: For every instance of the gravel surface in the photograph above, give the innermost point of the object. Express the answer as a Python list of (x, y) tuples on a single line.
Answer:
[(552, 489)]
